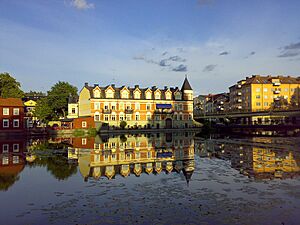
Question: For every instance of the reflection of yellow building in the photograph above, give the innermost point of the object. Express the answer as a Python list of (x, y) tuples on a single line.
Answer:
[(258, 93), (127, 155), (260, 159)]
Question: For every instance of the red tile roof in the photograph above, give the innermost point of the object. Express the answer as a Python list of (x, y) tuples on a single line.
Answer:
[(11, 102)]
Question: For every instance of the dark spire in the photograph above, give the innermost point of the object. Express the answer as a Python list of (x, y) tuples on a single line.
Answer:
[(186, 84)]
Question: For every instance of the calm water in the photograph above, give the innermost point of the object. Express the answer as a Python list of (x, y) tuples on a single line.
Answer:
[(150, 179)]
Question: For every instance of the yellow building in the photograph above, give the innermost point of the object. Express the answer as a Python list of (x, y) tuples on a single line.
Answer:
[(258, 93), (139, 107), (29, 107)]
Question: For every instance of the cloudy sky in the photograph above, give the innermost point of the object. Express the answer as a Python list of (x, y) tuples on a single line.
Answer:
[(148, 42)]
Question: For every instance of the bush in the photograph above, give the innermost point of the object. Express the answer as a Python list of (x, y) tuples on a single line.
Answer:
[(78, 132), (123, 124)]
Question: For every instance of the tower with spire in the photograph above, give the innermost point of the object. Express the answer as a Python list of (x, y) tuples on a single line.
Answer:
[(187, 90)]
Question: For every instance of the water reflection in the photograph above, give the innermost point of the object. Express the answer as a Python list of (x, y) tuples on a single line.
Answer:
[(133, 155), (261, 158)]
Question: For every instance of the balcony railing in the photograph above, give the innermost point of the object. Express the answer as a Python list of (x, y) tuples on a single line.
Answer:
[(106, 111), (128, 111), (164, 111)]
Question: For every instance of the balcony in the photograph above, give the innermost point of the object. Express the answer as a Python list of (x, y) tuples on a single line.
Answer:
[(239, 93), (277, 92), (128, 111), (276, 83), (106, 111), (163, 111)]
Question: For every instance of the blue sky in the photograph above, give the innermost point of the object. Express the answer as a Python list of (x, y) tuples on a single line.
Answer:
[(148, 42)]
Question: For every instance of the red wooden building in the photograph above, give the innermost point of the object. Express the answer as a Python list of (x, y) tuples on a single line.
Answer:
[(11, 114)]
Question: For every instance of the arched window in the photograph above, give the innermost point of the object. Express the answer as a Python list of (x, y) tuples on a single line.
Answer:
[(137, 95), (96, 93), (148, 95)]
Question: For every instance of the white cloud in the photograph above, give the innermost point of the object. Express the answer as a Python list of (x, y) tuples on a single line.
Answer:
[(82, 4)]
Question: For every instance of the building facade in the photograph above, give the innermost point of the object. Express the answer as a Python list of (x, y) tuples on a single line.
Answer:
[(258, 93), (138, 107), (11, 114)]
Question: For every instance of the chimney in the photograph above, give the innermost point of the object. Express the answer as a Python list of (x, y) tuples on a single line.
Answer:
[(113, 85), (95, 85), (86, 84), (136, 86), (153, 87), (166, 87)]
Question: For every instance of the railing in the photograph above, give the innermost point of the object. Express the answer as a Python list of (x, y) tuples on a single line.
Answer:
[(106, 111), (128, 111), (165, 111)]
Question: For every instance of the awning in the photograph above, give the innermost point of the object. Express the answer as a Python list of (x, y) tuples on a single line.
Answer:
[(163, 106)]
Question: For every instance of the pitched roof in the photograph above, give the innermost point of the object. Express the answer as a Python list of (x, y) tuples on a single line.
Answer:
[(186, 85), (11, 102)]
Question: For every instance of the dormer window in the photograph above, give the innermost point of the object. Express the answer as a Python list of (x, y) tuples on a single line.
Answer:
[(168, 95), (148, 95), (157, 95), (178, 96), (124, 93), (109, 93), (137, 95), (96, 93)]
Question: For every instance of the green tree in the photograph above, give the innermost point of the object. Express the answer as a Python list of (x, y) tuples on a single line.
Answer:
[(123, 124), (43, 111), (58, 97), (9, 87)]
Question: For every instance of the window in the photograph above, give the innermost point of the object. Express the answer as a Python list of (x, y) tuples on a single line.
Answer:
[(5, 111), (15, 159), (286, 89), (168, 95), (257, 89), (16, 147), (137, 95), (5, 148), (83, 141), (113, 106), (266, 103), (124, 94), (73, 110), (148, 107), (137, 106), (97, 117), (157, 95), (266, 97), (137, 117), (16, 123), (113, 117), (106, 117), (83, 124), (96, 93), (106, 106), (257, 96), (5, 123), (16, 111), (148, 95), (121, 117), (128, 117), (97, 105), (257, 103), (109, 93), (148, 117), (5, 160), (265, 89)]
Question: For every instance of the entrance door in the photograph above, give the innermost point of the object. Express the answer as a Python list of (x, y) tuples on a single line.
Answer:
[(168, 123)]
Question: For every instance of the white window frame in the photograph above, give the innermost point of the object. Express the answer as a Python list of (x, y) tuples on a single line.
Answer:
[(5, 148), (83, 141), (5, 111), (16, 147), (5, 120), (16, 111), (16, 120), (16, 159), (5, 160), (83, 124)]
